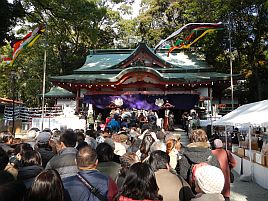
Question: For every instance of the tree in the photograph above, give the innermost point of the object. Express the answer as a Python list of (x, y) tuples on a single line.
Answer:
[(72, 28), (247, 21), (9, 14)]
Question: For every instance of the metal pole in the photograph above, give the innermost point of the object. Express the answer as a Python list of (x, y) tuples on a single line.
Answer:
[(226, 138), (43, 91), (13, 74), (231, 64), (211, 106)]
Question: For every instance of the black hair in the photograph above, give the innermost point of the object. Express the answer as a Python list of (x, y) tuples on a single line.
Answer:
[(140, 183), (3, 159), (14, 190), (47, 186), (81, 145), (6, 136), (69, 138), (80, 137), (159, 160), (105, 152), (146, 143), (47, 130), (31, 157), (126, 160), (21, 148), (5, 177)]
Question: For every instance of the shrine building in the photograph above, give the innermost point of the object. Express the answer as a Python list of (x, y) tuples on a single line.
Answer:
[(140, 76)]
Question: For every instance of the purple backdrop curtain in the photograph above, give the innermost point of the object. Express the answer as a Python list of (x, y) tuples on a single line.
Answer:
[(147, 102)]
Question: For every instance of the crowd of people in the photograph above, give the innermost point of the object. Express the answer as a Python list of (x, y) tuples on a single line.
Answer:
[(127, 163), (133, 118)]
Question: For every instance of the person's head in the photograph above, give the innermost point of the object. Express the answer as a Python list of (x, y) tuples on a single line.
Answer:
[(198, 135), (86, 157), (105, 152), (3, 159), (56, 134), (126, 160), (146, 143), (173, 144), (80, 137), (43, 138), (160, 135), (209, 179), (140, 183), (47, 186), (68, 138), (159, 160), (31, 157), (55, 144), (47, 130), (31, 134), (218, 143), (7, 137), (10, 188), (91, 133), (158, 145), (110, 142), (20, 149), (81, 145)]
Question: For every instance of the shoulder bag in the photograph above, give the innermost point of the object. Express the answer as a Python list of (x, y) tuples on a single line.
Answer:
[(91, 188), (231, 174)]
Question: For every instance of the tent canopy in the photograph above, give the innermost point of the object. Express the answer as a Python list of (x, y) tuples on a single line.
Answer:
[(255, 114)]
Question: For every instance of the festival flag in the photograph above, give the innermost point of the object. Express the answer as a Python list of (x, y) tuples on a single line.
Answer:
[(197, 31), (26, 41)]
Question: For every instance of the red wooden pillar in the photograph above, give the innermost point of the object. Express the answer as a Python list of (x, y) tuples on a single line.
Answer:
[(77, 108)]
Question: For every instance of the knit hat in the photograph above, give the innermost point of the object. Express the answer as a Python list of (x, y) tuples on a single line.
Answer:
[(43, 137), (210, 179), (218, 143)]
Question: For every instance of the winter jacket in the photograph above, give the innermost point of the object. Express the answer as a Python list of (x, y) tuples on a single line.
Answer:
[(46, 154), (209, 197), (195, 153), (64, 162), (79, 192), (222, 157), (28, 173), (176, 190)]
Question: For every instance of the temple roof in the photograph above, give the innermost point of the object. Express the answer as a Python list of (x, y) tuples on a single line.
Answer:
[(183, 77), (112, 65), (59, 92)]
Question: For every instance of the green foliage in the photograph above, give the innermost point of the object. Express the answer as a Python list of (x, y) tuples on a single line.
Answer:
[(9, 14)]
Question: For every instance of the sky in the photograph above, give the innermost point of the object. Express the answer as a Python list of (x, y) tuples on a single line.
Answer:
[(136, 8)]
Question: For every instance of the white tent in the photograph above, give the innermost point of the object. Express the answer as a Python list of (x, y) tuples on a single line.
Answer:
[(249, 115), (255, 114)]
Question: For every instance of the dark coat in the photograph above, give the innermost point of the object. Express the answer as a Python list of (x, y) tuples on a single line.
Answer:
[(195, 153), (28, 173), (46, 155), (79, 192)]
